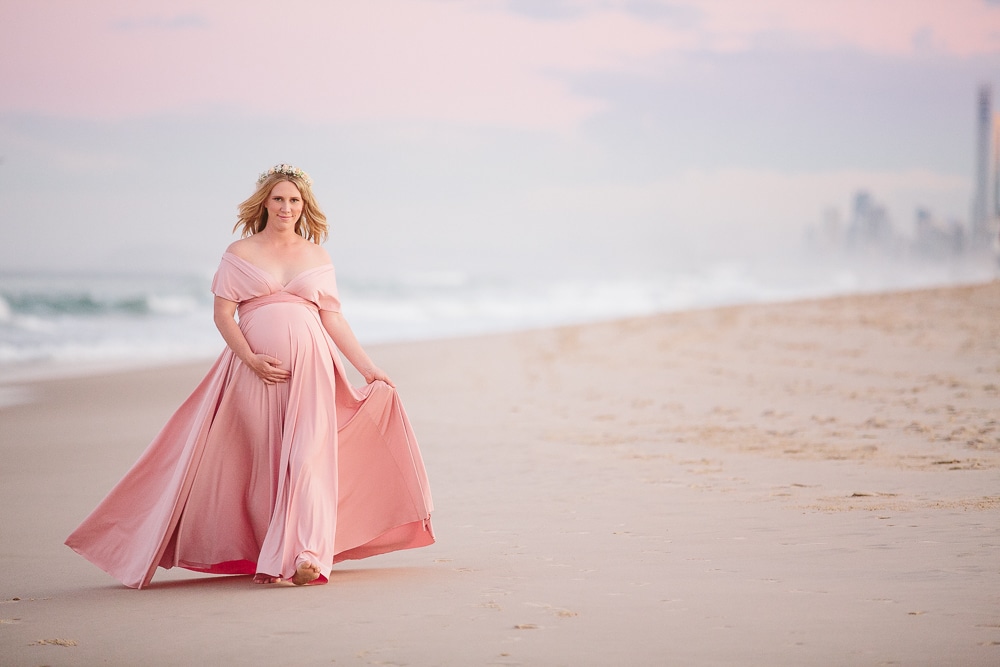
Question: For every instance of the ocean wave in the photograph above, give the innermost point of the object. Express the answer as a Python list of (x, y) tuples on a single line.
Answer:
[(102, 318), (74, 318), (84, 304)]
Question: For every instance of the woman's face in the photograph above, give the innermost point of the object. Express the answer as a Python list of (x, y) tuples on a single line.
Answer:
[(284, 204)]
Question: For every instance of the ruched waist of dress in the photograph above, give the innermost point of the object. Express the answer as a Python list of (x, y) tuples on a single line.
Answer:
[(250, 305)]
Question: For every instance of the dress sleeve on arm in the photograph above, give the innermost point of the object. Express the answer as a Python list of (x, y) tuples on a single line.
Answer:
[(327, 297), (229, 282)]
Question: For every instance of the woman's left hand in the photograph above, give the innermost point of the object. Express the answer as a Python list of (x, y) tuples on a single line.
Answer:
[(373, 374)]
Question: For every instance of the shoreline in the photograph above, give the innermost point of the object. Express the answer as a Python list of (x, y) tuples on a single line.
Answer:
[(29, 372), (801, 483)]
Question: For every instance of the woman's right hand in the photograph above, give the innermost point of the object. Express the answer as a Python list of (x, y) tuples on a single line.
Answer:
[(266, 368)]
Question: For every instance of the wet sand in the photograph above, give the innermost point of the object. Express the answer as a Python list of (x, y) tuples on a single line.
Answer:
[(813, 483)]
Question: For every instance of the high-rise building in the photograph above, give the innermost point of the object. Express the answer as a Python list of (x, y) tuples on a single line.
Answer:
[(981, 199), (995, 189), (986, 199)]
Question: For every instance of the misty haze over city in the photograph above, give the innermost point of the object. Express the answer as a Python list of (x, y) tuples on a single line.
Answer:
[(492, 164)]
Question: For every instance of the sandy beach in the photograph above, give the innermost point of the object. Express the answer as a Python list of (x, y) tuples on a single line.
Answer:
[(811, 483)]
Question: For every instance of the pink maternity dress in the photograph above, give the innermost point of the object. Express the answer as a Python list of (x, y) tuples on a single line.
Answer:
[(247, 477)]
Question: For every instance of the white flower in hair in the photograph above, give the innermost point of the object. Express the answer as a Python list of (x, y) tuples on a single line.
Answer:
[(287, 170)]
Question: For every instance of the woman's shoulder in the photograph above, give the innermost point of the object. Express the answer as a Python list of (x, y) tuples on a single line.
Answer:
[(318, 253), (242, 248)]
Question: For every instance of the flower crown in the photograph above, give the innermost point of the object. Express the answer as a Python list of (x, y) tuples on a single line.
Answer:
[(287, 170)]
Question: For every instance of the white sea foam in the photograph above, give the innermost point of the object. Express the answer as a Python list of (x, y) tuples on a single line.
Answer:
[(60, 320), (171, 304)]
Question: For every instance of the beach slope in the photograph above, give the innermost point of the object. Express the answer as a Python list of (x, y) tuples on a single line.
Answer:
[(812, 483)]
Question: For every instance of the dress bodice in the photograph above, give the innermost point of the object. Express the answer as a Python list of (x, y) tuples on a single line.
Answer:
[(251, 286)]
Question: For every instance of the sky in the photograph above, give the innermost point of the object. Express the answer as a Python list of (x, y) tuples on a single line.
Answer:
[(481, 135)]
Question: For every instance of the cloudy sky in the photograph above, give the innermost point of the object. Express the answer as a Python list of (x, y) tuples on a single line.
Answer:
[(481, 134)]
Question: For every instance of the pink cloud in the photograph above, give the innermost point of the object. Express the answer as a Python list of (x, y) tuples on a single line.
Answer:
[(896, 27), (352, 60), (339, 61)]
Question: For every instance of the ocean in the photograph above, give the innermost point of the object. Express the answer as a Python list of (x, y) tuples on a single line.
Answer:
[(52, 323)]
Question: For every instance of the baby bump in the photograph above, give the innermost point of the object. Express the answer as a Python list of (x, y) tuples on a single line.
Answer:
[(281, 329)]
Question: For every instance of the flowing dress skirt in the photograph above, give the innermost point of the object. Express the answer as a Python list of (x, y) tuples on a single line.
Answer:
[(247, 477)]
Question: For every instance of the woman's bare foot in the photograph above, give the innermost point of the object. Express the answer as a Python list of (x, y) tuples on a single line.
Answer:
[(266, 579), (306, 573)]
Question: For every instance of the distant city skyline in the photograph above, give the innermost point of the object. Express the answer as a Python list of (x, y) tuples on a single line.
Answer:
[(869, 226)]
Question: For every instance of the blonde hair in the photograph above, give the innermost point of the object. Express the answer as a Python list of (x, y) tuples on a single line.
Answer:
[(253, 214)]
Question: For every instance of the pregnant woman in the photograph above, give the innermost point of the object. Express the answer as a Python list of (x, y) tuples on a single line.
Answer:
[(275, 466)]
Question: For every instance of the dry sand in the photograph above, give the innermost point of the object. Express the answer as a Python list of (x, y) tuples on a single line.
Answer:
[(812, 483)]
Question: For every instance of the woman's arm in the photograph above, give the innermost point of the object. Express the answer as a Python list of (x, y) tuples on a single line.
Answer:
[(264, 366), (340, 331)]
